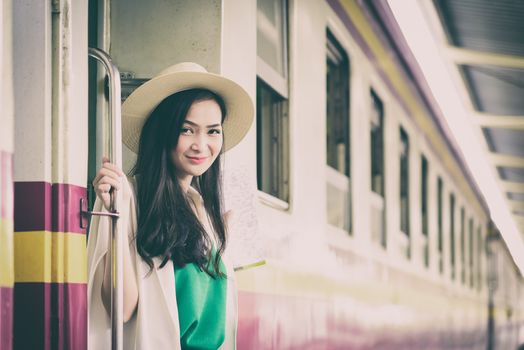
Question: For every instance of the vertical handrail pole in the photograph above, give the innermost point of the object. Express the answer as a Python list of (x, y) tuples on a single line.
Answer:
[(115, 155)]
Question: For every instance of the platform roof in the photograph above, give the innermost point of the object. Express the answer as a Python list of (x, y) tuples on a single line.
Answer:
[(481, 44)]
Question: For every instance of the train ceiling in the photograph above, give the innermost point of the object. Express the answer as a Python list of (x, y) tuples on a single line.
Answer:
[(470, 54)]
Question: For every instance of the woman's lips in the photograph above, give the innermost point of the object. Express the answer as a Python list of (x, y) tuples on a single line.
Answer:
[(196, 160)]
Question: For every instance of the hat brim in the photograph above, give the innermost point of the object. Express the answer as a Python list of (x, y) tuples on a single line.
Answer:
[(139, 105)]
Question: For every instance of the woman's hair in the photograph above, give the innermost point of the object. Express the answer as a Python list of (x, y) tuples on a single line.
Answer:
[(167, 226)]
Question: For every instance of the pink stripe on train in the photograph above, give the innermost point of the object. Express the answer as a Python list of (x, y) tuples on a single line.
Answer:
[(6, 213), (42, 206), (287, 322), (50, 316), (6, 318)]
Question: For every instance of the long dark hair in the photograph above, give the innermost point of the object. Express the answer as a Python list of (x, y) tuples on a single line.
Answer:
[(167, 226)]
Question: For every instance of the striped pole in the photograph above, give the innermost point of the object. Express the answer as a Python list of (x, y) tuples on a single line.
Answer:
[(50, 174), (50, 267), (6, 178), (6, 250)]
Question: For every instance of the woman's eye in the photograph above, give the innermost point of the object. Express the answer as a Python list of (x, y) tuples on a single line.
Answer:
[(186, 131), (215, 131)]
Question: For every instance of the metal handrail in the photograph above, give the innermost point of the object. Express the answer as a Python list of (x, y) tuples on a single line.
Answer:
[(115, 156)]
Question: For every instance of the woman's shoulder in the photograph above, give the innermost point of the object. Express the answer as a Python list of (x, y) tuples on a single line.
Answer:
[(129, 187), (195, 195), (132, 180)]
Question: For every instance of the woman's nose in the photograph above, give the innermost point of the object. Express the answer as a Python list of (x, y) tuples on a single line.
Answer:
[(198, 143)]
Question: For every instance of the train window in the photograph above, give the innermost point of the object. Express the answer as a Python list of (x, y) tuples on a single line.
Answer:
[(377, 145), (424, 207), (272, 103), (272, 48), (404, 187), (337, 135), (462, 245), (479, 258), (272, 143), (470, 242), (452, 234), (378, 227), (440, 186)]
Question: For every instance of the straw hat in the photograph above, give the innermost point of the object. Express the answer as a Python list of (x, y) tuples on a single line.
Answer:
[(180, 77)]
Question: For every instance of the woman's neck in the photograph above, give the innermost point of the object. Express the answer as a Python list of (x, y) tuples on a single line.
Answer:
[(185, 182)]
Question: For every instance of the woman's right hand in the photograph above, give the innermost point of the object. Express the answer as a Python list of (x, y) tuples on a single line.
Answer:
[(108, 177)]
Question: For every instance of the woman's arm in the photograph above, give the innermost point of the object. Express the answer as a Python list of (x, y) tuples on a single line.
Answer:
[(130, 285), (109, 177)]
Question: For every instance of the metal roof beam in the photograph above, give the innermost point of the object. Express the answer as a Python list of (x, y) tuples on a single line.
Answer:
[(516, 205), (474, 57), (505, 160), (486, 120), (512, 186)]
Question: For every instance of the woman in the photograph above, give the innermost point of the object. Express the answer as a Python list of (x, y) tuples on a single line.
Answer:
[(179, 289)]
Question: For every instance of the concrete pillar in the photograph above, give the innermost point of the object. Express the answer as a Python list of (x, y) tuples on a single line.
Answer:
[(6, 178), (50, 88)]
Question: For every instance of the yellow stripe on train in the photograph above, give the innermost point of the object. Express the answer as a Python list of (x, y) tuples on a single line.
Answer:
[(385, 60), (278, 278), (6, 253), (44, 256)]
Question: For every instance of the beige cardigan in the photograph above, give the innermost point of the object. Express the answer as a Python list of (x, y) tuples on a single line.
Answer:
[(155, 324)]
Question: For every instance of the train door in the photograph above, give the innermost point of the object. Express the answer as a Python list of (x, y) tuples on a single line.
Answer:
[(118, 31), (144, 38)]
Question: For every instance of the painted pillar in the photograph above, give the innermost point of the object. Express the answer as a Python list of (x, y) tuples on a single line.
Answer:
[(6, 179), (50, 88)]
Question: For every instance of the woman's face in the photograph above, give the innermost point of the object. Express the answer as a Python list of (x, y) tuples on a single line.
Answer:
[(200, 140)]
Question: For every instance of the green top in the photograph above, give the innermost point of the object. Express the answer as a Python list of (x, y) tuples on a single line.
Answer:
[(201, 302)]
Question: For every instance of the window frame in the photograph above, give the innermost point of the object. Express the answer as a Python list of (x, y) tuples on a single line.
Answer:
[(278, 82), (337, 56), (424, 195), (375, 97), (424, 207), (479, 257), (452, 253), (280, 174), (463, 245), (471, 250), (404, 182), (378, 199), (278, 85), (440, 223)]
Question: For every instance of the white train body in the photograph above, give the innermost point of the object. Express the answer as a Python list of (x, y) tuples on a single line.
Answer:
[(331, 279)]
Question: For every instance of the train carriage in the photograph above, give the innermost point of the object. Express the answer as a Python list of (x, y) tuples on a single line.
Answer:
[(350, 186)]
